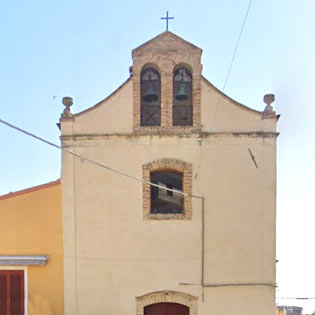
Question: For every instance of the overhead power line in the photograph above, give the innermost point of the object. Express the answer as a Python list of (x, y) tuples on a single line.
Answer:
[(100, 164), (232, 61), (237, 44)]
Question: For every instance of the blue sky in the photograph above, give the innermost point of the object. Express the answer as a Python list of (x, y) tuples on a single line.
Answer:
[(83, 49)]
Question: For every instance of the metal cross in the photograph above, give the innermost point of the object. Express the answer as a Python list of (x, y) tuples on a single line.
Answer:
[(167, 18)]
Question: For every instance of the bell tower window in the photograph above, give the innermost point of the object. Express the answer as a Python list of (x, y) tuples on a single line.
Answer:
[(182, 98), (150, 97)]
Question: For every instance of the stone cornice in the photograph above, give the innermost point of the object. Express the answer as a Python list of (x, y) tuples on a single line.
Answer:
[(27, 260), (190, 135)]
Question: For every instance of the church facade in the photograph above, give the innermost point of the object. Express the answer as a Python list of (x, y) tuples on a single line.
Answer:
[(176, 212)]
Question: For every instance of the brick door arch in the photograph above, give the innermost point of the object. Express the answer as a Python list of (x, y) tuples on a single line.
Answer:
[(161, 297)]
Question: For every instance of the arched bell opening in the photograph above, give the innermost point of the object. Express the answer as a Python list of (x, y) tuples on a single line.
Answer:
[(150, 97), (182, 97)]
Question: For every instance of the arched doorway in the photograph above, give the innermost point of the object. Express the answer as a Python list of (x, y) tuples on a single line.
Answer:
[(148, 303), (166, 309)]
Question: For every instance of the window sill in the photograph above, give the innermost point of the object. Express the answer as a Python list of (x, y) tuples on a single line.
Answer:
[(165, 216), (166, 130)]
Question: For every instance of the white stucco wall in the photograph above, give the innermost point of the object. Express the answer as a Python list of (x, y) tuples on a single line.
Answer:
[(219, 113), (120, 256)]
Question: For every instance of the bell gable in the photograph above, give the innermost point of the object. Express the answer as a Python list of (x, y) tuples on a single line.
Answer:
[(167, 41), (173, 58), (166, 93)]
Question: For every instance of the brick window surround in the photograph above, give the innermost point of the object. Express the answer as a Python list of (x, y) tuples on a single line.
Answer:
[(164, 297), (167, 164)]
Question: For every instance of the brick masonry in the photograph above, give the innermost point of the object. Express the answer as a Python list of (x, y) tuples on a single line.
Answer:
[(167, 297), (166, 164), (166, 53)]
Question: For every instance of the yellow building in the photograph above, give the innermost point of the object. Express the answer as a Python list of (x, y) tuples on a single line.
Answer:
[(31, 260)]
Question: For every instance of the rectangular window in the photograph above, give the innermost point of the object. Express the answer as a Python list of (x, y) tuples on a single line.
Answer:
[(174, 201), (167, 201), (11, 292)]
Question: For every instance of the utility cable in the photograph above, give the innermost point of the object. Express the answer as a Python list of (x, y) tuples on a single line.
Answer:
[(237, 44), (95, 162), (232, 61)]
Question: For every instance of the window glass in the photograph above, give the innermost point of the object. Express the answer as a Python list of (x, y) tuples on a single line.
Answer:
[(166, 201)]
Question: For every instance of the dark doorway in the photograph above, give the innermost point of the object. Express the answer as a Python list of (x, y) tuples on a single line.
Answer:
[(166, 309)]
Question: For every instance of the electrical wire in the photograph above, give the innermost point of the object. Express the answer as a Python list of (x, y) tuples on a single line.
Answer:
[(237, 44), (95, 162), (232, 61)]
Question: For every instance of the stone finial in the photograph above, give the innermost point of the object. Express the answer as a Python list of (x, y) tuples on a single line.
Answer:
[(67, 102), (268, 100)]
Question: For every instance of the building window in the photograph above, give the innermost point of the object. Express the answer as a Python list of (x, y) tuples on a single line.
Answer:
[(182, 98), (160, 203), (150, 97), (163, 200), (11, 292)]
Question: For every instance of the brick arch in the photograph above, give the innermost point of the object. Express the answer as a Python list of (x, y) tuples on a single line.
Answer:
[(183, 65), (151, 65), (166, 65), (169, 164), (167, 297)]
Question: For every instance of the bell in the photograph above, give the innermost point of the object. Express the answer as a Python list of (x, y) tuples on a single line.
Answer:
[(150, 95), (182, 93)]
